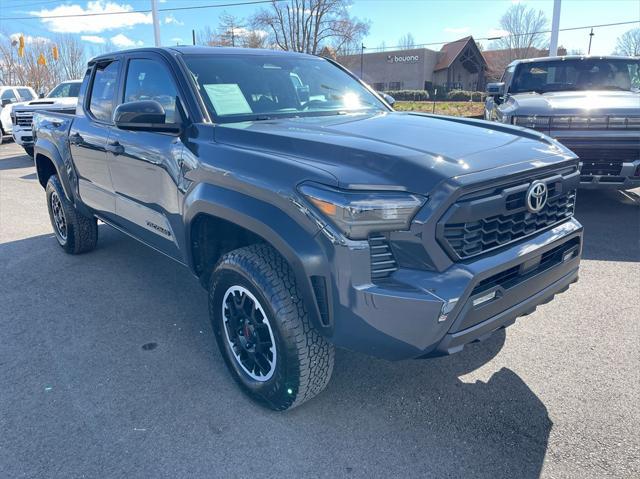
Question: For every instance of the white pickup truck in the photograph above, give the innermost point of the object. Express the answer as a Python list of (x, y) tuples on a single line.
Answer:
[(63, 99)]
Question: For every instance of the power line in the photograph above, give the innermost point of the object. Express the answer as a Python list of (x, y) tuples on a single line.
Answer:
[(418, 45), (172, 9)]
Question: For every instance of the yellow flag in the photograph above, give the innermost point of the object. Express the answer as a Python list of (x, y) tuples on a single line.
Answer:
[(42, 60), (20, 52), (55, 53), (21, 42)]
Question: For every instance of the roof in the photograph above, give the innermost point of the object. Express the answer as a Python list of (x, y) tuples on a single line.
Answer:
[(202, 50), (450, 51), (573, 57)]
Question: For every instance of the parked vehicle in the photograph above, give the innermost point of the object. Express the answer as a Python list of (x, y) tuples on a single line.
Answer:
[(63, 98), (589, 104), (331, 221), (10, 96)]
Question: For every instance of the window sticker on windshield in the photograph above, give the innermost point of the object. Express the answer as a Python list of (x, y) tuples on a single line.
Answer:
[(227, 99)]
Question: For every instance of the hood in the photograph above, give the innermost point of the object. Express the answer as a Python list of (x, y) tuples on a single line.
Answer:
[(590, 102), (49, 104), (399, 150)]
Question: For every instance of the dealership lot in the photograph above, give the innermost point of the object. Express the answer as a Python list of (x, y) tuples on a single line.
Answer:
[(109, 369)]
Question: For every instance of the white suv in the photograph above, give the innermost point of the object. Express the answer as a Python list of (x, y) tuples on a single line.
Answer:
[(9, 96)]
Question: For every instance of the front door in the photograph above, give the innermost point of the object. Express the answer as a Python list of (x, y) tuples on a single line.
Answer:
[(146, 166)]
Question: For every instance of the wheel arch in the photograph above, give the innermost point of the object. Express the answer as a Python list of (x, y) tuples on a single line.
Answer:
[(269, 224), (49, 162)]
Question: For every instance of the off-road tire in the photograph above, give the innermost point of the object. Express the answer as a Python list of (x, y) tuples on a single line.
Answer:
[(304, 358), (81, 230)]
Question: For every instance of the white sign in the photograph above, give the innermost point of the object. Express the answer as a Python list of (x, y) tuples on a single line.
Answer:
[(403, 58)]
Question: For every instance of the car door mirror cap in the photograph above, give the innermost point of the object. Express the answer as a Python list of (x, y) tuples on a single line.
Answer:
[(143, 115), (495, 89)]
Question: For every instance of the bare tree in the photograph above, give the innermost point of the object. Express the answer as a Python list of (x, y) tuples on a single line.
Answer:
[(524, 26), (309, 25), (406, 42), (27, 70), (629, 43), (72, 60), (231, 29)]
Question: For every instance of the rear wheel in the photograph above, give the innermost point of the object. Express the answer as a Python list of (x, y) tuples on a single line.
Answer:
[(75, 232), (263, 330)]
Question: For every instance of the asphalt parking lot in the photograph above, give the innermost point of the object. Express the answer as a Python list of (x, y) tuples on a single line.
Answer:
[(556, 395)]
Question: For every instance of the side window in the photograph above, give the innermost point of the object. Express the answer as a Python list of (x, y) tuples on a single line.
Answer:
[(103, 90), (508, 74), (150, 80), (25, 94), (9, 94)]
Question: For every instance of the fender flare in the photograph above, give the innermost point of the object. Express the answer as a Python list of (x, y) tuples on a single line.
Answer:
[(296, 244), (48, 149)]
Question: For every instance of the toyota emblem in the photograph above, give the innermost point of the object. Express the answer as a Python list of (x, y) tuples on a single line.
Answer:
[(537, 196)]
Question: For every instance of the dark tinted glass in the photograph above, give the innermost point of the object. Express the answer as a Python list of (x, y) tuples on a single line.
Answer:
[(103, 90), (8, 95), (576, 74), (150, 80)]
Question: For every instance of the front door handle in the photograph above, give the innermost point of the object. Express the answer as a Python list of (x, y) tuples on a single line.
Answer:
[(75, 139), (115, 147)]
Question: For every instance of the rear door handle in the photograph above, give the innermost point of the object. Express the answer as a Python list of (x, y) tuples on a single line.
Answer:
[(75, 138), (115, 147)]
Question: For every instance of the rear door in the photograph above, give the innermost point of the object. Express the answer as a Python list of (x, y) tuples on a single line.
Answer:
[(145, 165), (89, 135)]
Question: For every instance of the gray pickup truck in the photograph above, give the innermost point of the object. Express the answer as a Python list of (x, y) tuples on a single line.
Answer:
[(589, 104), (313, 214)]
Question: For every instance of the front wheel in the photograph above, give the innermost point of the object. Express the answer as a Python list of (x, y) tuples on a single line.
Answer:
[(263, 330), (75, 232)]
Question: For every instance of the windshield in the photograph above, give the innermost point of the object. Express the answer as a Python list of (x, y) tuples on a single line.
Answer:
[(70, 89), (578, 74), (253, 87)]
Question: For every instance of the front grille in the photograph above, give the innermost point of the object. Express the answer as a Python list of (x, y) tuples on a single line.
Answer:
[(382, 261), (24, 120), (494, 217), (605, 161)]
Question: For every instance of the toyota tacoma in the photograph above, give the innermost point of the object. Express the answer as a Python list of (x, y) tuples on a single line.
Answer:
[(315, 216)]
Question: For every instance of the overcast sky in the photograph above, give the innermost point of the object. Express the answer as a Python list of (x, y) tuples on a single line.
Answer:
[(428, 21)]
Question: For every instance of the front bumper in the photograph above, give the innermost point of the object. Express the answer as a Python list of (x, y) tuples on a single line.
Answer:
[(421, 313)]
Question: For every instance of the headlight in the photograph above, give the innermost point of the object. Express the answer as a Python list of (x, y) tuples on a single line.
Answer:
[(358, 213), (535, 122)]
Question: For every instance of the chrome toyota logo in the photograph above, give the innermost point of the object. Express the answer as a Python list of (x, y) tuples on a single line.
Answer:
[(537, 196)]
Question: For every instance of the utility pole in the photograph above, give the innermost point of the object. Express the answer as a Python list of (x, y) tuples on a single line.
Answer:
[(193, 36), (590, 38), (156, 22), (362, 47), (555, 29)]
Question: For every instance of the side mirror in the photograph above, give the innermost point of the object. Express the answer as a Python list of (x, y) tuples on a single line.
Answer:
[(6, 101), (144, 115), (388, 98), (495, 89)]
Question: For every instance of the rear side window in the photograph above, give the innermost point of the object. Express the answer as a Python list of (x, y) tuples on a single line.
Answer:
[(150, 80), (25, 94), (103, 90)]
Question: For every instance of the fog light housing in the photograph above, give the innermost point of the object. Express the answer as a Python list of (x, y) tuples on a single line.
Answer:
[(485, 298)]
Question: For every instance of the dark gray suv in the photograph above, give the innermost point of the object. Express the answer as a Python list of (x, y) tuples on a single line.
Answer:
[(314, 215)]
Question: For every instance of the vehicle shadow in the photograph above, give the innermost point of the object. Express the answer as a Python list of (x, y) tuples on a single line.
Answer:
[(82, 331), (611, 221), (15, 162)]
